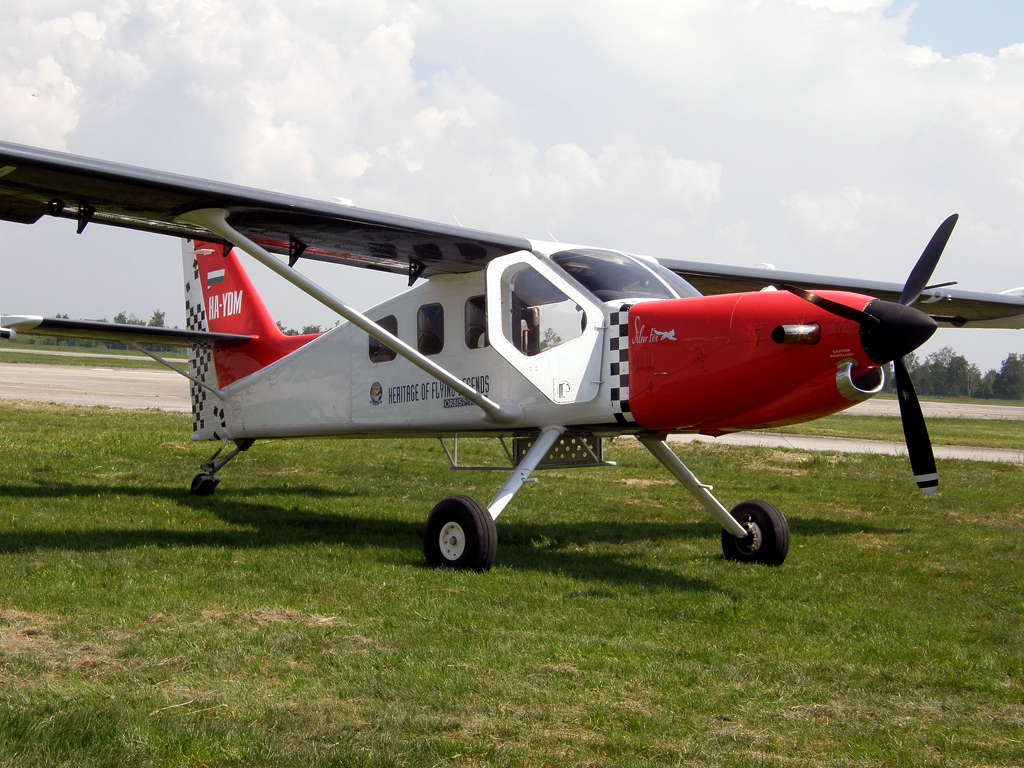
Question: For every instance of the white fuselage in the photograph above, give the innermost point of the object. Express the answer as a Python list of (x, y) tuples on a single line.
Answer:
[(331, 387)]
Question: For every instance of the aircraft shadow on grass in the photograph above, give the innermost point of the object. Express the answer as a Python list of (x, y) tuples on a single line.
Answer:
[(550, 547)]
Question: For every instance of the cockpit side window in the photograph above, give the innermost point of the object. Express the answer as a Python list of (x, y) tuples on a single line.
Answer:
[(538, 316)]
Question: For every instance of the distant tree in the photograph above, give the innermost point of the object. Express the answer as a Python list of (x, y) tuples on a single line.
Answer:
[(286, 331), (157, 320), (308, 329), (127, 318), (1009, 382), (984, 390), (910, 362), (946, 374)]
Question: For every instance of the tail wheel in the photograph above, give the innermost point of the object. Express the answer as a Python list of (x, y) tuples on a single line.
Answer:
[(766, 543), (204, 485), (460, 535)]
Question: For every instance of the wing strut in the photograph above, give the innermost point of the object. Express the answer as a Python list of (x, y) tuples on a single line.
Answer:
[(215, 220), (138, 348)]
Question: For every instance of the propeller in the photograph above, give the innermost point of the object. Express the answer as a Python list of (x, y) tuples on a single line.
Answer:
[(888, 332)]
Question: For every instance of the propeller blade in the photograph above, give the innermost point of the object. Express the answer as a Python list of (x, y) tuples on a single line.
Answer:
[(919, 446), (841, 310), (922, 271)]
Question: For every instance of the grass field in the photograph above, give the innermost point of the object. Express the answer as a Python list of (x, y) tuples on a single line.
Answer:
[(982, 433), (105, 360), (289, 620)]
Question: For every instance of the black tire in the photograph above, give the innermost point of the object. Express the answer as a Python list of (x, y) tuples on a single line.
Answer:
[(204, 485), (768, 540), (471, 540)]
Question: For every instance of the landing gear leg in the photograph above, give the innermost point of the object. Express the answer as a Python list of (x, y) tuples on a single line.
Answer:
[(206, 482), (754, 532), (460, 531)]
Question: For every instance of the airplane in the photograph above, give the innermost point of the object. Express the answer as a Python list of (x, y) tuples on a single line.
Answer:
[(552, 346)]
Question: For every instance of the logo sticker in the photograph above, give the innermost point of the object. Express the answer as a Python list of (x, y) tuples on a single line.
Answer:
[(376, 393), (641, 336)]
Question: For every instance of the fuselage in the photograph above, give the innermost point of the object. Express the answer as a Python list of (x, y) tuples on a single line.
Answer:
[(578, 337)]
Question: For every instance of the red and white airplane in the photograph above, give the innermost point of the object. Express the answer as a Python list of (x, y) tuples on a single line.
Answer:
[(554, 346)]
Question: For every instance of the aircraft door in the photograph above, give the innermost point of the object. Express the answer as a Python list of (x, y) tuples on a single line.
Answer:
[(550, 330)]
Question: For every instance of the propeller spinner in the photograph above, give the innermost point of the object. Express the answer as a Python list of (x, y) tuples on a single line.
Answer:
[(888, 332)]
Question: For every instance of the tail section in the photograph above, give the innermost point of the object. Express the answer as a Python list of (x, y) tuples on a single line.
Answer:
[(220, 298)]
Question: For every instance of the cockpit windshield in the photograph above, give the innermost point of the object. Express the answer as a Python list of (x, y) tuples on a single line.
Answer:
[(611, 276)]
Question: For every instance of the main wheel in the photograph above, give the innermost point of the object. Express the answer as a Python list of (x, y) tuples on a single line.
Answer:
[(204, 485), (460, 535), (768, 539)]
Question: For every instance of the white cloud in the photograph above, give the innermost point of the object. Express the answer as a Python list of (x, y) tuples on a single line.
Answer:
[(433, 122), (844, 218), (846, 6), (38, 105), (781, 131)]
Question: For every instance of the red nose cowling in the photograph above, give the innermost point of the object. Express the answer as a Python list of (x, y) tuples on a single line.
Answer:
[(710, 364)]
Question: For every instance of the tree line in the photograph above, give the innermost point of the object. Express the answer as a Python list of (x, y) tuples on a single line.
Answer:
[(947, 374)]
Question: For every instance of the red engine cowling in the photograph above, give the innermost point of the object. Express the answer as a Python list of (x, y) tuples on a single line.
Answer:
[(711, 364)]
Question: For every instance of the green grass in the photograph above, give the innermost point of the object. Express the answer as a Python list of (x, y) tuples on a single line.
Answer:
[(289, 620), (950, 399), (94, 361), (982, 433)]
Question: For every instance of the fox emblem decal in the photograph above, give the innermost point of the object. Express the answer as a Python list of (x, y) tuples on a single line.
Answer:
[(641, 337)]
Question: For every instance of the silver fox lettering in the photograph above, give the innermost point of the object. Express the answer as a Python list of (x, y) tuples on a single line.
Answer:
[(640, 336)]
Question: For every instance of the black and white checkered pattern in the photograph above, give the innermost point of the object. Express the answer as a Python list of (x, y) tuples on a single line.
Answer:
[(207, 415), (618, 367)]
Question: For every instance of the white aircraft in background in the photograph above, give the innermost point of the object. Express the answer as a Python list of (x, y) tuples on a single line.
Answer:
[(554, 346)]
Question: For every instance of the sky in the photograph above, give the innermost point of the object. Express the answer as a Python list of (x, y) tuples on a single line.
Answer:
[(825, 136)]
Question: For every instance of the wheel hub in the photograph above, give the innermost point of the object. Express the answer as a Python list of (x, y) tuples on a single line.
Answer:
[(452, 541), (752, 543)]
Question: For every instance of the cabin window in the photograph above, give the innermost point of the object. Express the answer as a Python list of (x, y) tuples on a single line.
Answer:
[(539, 316), (379, 351), (476, 323), (430, 329)]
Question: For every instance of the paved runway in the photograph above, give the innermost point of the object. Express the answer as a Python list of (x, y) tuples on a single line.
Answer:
[(932, 410), (851, 445), (81, 385), (125, 388)]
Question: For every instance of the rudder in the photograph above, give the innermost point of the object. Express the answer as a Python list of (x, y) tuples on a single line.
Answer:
[(220, 298)]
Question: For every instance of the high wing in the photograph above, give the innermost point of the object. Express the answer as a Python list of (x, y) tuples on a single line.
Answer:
[(119, 332), (947, 306), (35, 182)]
